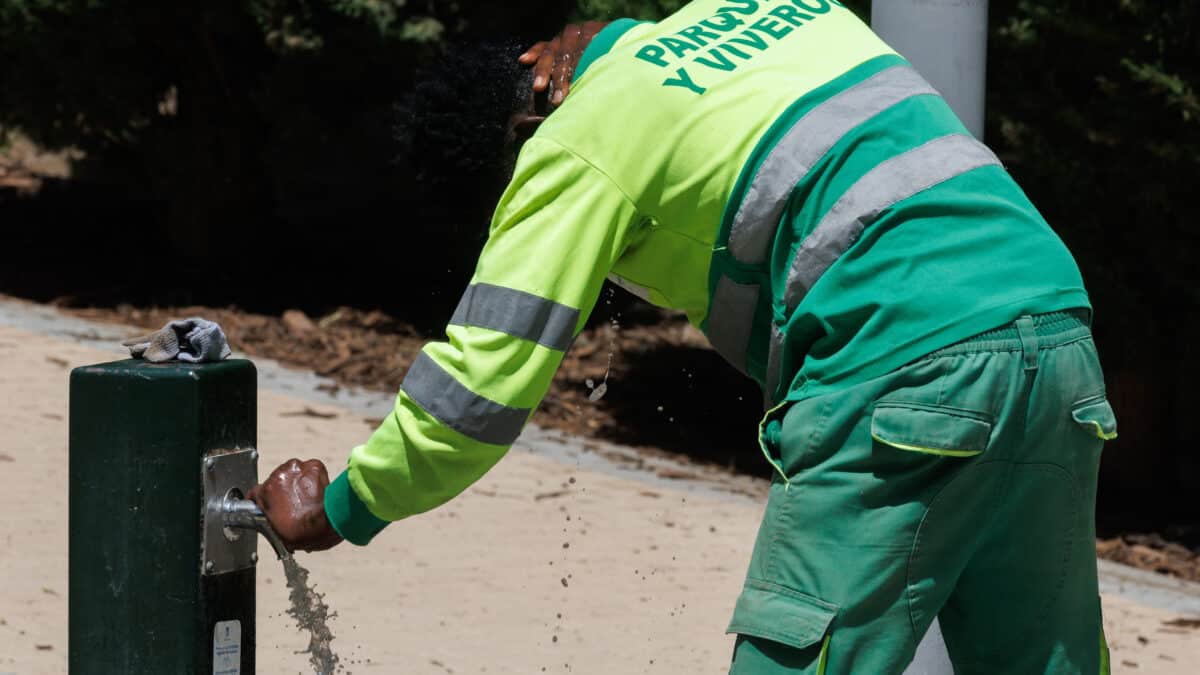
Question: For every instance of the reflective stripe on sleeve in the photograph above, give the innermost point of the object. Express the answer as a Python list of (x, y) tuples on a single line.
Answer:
[(810, 139), (517, 313), (472, 415), (893, 181)]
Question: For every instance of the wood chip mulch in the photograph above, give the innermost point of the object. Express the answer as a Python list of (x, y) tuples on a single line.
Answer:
[(1152, 552), (372, 350)]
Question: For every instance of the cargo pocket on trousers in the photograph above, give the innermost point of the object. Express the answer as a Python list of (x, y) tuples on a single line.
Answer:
[(931, 430), (773, 612), (1097, 418)]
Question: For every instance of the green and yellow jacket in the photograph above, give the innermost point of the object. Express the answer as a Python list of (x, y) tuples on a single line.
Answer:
[(770, 168)]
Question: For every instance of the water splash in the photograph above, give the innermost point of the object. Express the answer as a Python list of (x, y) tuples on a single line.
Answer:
[(599, 390), (311, 614)]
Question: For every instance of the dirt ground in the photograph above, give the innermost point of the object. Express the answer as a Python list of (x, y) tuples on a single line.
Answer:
[(528, 572)]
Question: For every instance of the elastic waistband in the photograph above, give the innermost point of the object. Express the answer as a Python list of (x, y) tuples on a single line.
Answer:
[(1053, 330)]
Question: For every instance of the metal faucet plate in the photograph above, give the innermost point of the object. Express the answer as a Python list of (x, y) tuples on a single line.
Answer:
[(227, 474)]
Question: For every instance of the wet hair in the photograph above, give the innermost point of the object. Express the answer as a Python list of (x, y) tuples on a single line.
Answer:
[(453, 125)]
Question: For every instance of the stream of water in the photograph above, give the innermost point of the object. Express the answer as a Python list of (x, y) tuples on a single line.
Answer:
[(311, 614)]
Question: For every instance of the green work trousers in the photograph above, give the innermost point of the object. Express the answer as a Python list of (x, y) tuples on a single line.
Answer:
[(962, 487)]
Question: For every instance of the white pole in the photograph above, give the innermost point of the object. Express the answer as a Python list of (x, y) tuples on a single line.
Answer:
[(947, 42), (932, 657)]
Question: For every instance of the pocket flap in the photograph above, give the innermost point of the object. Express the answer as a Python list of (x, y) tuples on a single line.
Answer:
[(773, 612), (932, 430), (1097, 418)]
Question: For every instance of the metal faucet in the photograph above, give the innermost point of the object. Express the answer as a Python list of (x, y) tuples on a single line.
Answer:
[(244, 514)]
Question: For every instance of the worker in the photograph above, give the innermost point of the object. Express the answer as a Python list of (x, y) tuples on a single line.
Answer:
[(935, 406)]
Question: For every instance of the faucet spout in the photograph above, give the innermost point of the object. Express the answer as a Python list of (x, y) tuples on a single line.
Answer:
[(244, 514)]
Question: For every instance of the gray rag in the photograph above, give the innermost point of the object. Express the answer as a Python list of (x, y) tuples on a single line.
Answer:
[(192, 340)]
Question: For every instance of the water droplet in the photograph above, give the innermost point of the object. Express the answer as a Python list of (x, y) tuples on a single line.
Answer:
[(599, 392)]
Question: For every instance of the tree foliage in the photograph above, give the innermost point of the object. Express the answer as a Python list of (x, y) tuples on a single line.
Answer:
[(272, 116), (1093, 107), (648, 10)]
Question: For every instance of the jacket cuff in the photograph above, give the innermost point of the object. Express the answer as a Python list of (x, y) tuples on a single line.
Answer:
[(348, 514)]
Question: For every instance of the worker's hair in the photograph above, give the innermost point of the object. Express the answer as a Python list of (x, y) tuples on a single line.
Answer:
[(453, 124)]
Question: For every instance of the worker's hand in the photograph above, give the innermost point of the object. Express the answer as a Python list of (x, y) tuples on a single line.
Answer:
[(293, 498), (554, 61)]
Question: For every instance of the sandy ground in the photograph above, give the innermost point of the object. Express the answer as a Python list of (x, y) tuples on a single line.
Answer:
[(650, 573)]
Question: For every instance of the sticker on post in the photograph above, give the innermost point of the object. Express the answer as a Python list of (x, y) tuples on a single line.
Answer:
[(227, 648)]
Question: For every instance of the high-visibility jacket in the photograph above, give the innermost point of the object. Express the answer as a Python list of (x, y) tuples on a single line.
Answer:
[(769, 167)]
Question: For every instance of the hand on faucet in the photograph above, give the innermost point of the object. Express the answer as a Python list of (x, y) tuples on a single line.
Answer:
[(293, 499)]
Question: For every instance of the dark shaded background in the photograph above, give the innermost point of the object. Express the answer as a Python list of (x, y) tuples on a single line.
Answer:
[(274, 180)]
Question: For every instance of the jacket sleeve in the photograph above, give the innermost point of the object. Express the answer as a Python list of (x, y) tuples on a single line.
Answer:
[(558, 230)]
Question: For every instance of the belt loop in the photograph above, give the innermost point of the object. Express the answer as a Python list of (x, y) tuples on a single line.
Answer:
[(1029, 342)]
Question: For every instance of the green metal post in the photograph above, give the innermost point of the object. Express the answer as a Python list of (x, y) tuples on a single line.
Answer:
[(150, 591)]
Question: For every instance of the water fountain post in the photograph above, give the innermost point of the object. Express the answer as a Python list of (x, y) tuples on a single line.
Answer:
[(157, 583)]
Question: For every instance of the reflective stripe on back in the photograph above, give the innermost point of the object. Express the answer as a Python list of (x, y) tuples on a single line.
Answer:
[(774, 364), (891, 182), (518, 314), (731, 320), (468, 413), (810, 139)]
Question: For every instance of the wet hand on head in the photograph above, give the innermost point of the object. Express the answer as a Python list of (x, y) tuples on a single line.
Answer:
[(293, 499), (554, 61)]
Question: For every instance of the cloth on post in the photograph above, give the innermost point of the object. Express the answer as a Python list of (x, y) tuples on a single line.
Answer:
[(193, 340)]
